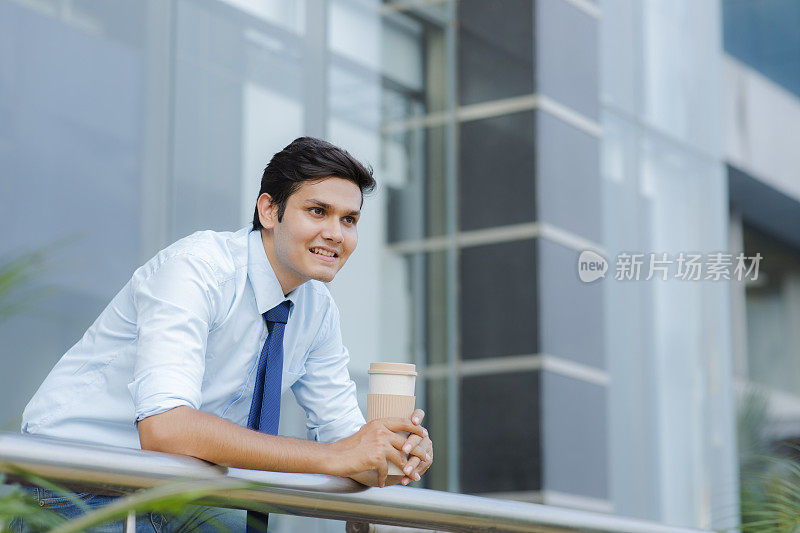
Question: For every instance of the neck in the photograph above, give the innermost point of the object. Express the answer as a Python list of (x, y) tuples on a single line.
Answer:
[(289, 280)]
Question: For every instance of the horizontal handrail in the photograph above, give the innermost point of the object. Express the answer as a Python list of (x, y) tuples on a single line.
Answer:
[(122, 470)]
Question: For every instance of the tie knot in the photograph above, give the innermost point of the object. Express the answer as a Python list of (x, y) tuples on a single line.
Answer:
[(279, 313)]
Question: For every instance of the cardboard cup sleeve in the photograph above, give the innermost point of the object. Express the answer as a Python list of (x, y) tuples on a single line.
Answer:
[(388, 406)]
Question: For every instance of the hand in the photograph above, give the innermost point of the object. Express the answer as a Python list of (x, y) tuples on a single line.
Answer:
[(421, 449), (372, 448)]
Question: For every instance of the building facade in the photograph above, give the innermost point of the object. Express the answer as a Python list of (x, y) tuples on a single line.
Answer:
[(507, 138)]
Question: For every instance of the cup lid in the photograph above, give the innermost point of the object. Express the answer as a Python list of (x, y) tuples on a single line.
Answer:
[(405, 369)]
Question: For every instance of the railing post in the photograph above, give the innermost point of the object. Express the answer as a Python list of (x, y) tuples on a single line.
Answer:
[(130, 523)]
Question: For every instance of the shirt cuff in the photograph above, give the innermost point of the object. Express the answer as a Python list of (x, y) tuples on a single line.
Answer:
[(153, 394)]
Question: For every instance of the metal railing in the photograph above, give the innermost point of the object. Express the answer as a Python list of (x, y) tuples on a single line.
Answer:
[(122, 470)]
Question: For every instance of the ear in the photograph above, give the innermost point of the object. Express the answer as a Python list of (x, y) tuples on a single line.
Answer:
[(267, 211)]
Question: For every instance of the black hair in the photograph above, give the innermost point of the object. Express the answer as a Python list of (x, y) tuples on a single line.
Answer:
[(309, 159)]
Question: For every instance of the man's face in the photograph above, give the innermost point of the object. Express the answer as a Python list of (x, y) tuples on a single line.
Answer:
[(317, 232)]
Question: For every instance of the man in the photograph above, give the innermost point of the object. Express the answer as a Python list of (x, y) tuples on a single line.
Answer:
[(183, 360)]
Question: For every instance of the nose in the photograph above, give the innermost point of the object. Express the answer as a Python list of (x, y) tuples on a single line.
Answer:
[(332, 230)]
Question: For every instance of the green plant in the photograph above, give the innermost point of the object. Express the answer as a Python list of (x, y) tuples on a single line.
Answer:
[(16, 503), (17, 290), (769, 473), (178, 500)]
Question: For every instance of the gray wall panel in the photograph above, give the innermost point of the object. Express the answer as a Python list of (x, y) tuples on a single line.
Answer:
[(567, 56), (568, 187), (570, 311), (574, 433)]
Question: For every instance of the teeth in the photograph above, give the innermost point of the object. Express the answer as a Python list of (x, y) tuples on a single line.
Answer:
[(322, 252)]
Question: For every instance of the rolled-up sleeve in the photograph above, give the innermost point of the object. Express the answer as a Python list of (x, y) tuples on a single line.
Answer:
[(175, 307), (325, 391)]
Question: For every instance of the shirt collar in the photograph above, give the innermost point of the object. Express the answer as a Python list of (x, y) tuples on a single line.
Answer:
[(265, 284)]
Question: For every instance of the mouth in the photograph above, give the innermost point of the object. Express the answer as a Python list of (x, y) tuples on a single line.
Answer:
[(326, 254)]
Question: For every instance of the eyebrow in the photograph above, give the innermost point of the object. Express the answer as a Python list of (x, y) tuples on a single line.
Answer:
[(328, 206)]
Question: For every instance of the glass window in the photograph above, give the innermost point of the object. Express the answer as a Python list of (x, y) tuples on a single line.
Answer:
[(764, 36), (71, 113)]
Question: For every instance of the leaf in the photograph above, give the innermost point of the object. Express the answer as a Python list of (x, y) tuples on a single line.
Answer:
[(17, 274), (170, 498)]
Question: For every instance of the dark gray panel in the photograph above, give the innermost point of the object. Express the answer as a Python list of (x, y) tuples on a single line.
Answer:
[(498, 300), (496, 163), (764, 207), (500, 433), (567, 56), (495, 49), (570, 311), (574, 436), (568, 182)]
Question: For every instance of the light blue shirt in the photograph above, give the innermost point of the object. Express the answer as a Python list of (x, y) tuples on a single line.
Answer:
[(187, 329)]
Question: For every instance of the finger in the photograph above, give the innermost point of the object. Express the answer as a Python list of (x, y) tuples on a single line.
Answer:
[(425, 447), (397, 458), (411, 465), (397, 440), (406, 444), (421, 469), (425, 463), (421, 452), (404, 424), (405, 480), (412, 442), (383, 471), (417, 416)]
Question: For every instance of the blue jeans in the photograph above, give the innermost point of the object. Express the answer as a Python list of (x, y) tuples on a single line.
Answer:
[(194, 518)]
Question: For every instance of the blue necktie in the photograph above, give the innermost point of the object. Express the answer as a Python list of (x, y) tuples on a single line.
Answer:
[(265, 410)]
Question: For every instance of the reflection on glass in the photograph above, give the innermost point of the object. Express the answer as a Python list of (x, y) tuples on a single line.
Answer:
[(238, 99), (71, 116), (289, 14), (415, 182), (418, 307), (413, 151)]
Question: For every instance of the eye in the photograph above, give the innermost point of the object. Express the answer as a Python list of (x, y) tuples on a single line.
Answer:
[(317, 211), (349, 220)]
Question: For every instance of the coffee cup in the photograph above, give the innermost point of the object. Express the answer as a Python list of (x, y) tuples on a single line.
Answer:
[(391, 394)]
